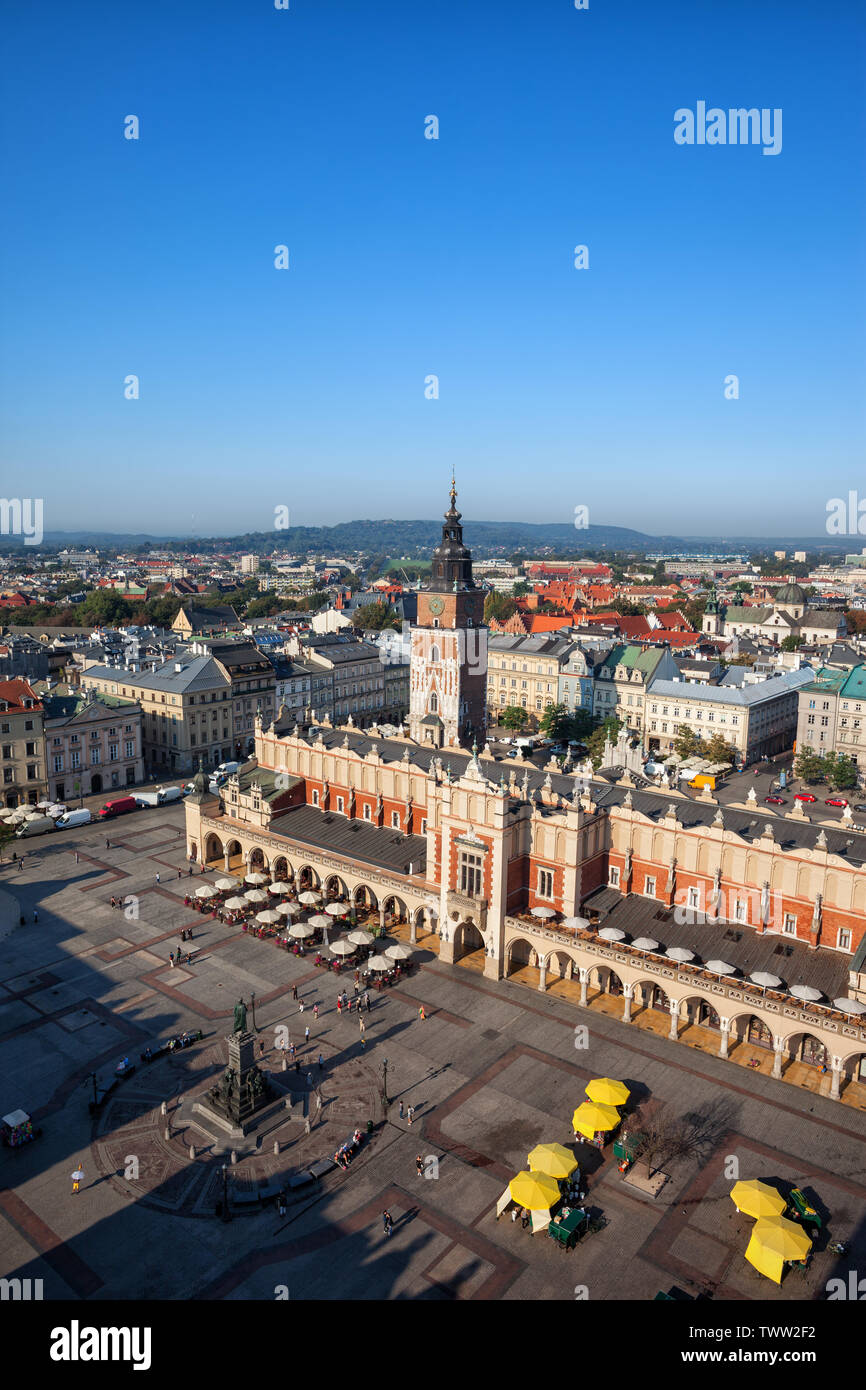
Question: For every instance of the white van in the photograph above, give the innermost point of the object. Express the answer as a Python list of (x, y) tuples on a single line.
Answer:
[(147, 798), (227, 769), (167, 794), (70, 818), (37, 826)]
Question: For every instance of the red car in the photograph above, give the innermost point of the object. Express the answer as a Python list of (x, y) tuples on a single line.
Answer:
[(835, 801), (805, 796), (775, 800)]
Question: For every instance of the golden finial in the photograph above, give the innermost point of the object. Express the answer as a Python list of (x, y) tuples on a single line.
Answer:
[(453, 490)]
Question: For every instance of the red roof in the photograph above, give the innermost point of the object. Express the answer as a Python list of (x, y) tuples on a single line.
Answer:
[(16, 691)]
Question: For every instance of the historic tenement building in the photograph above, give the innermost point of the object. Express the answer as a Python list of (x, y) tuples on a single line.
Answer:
[(651, 905)]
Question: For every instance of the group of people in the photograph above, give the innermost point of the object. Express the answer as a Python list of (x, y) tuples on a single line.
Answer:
[(346, 1152)]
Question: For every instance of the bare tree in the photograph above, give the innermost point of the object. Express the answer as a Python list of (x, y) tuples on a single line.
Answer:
[(662, 1136)]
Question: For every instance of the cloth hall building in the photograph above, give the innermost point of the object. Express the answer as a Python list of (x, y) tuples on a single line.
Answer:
[(735, 929)]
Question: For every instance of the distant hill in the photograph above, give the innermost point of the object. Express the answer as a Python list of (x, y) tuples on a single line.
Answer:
[(397, 537)]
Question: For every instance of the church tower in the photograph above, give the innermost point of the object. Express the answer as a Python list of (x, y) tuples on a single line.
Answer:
[(448, 664)]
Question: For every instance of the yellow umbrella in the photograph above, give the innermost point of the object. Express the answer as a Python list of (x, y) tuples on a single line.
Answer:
[(756, 1198), (536, 1191), (553, 1159), (775, 1241), (608, 1092), (592, 1116)]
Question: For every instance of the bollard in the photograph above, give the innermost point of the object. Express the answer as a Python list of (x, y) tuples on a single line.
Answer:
[(306, 1126), (162, 1109), (234, 1155), (285, 1064), (276, 1146), (166, 1134), (192, 1150)]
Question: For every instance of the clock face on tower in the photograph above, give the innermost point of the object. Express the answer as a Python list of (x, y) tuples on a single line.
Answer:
[(436, 606)]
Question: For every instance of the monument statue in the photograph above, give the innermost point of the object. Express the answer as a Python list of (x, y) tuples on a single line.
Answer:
[(240, 1023)]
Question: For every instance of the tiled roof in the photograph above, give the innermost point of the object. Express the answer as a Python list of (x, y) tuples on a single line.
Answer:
[(375, 845)]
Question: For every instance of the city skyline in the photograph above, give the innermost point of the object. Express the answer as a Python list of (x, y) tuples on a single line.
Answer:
[(411, 258)]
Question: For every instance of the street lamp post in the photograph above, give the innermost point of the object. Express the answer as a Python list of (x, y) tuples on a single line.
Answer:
[(385, 1100), (253, 1010)]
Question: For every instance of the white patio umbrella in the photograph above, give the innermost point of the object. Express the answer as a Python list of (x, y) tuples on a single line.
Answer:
[(255, 895), (235, 903), (574, 923), (320, 921), (267, 918), (850, 1006), (205, 891), (543, 912), (255, 878), (767, 981), (611, 934), (645, 943), (719, 967), (278, 889), (378, 963), (805, 992), (679, 954), (309, 898), (336, 909), (288, 909), (223, 884), (361, 937), (342, 948), (399, 951), (300, 930)]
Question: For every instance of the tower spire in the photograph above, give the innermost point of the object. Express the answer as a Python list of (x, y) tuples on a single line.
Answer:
[(453, 491)]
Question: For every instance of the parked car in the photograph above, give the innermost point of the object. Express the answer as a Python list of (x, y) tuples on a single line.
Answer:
[(805, 796), (775, 800), (860, 806), (72, 818), (37, 826), (118, 807), (835, 801)]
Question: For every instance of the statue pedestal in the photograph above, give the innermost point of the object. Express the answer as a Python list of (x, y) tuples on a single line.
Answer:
[(242, 1092)]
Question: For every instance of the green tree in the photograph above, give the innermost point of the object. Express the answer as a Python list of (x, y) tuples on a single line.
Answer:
[(718, 750), (840, 771), (791, 643), (521, 589), (513, 717), (556, 722), (809, 766), (498, 607), (686, 743), (374, 617)]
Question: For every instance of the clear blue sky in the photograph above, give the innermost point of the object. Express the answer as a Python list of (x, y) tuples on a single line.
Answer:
[(410, 256)]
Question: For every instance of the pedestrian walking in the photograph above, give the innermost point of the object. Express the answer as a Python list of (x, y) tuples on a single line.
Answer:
[(357, 987), (361, 1028), (524, 1217), (292, 1051), (301, 1007), (77, 1178), (108, 844), (366, 1001), (321, 1061), (171, 958), (410, 1114), (21, 865), (157, 878), (36, 916), (309, 1078), (363, 1043), (513, 1214), (421, 1014), (262, 1046), (339, 1007), (180, 873), (295, 993), (401, 1109), (281, 1205), (190, 871), (307, 1034), (297, 1065), (316, 1012), (76, 856), (419, 1166), (387, 1223)]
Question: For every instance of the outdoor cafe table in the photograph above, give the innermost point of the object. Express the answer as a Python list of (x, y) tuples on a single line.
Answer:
[(565, 1228)]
